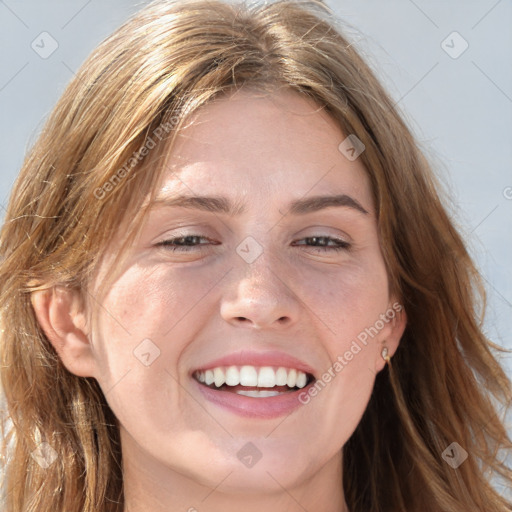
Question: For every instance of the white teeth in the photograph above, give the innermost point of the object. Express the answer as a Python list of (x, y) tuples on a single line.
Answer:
[(208, 377), (248, 376), (264, 377), (232, 376), (281, 377), (301, 380), (292, 378), (259, 393), (219, 376)]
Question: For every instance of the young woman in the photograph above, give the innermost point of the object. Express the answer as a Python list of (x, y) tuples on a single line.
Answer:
[(228, 282)]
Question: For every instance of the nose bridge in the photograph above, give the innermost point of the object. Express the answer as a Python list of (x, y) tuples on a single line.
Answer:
[(257, 272), (258, 291)]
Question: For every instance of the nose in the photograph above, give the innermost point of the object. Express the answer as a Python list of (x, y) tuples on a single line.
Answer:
[(259, 296)]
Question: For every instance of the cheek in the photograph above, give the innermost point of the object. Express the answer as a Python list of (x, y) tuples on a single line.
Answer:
[(151, 303), (349, 303), (140, 296), (144, 322), (141, 333), (347, 299), (127, 337)]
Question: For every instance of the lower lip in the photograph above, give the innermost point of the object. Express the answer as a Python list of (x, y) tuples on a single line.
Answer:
[(264, 408)]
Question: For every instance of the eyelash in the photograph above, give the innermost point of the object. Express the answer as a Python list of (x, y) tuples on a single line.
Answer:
[(174, 247)]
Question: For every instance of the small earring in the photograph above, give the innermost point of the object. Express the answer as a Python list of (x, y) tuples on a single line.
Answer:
[(385, 355)]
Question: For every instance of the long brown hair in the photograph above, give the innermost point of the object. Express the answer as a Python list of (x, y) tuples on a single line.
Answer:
[(91, 166)]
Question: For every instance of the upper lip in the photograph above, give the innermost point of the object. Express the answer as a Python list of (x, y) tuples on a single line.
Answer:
[(250, 358)]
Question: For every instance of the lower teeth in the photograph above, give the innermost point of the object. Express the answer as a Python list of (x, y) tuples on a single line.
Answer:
[(258, 393)]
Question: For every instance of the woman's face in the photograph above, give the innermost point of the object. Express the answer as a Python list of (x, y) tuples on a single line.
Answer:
[(261, 253)]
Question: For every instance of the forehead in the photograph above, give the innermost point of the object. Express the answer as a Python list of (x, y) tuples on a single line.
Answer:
[(261, 144)]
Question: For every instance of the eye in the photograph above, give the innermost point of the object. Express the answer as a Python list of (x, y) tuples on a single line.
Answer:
[(183, 243), (321, 243), (187, 243)]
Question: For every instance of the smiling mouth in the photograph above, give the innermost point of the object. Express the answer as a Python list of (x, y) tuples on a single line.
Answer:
[(254, 381)]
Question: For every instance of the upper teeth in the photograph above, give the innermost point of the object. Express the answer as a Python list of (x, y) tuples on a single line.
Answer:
[(262, 377)]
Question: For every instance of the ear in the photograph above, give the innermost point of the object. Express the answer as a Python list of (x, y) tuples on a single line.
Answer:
[(392, 333), (62, 317)]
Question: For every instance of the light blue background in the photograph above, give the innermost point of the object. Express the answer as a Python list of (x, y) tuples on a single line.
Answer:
[(460, 109)]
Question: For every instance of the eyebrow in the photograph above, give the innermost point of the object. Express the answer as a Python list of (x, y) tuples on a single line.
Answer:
[(219, 204)]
